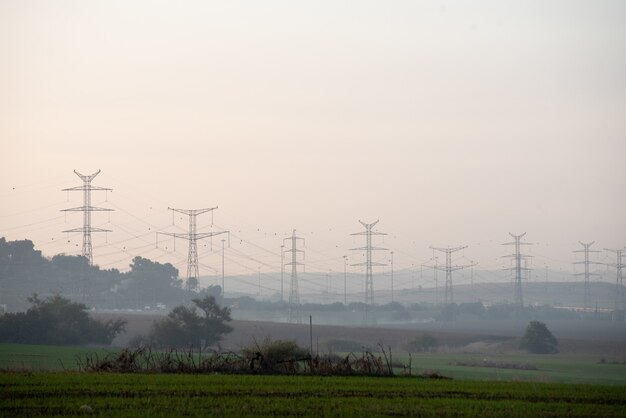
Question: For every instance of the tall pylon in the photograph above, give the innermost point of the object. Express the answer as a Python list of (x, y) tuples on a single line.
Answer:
[(449, 268), (193, 273), (517, 293), (369, 279), (587, 274), (86, 208), (620, 301), (294, 293)]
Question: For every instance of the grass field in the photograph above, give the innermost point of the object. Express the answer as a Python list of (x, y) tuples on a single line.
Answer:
[(42, 357), (550, 368), (160, 395)]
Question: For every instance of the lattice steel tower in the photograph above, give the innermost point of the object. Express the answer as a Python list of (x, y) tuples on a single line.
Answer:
[(620, 301), (587, 274), (294, 293), (193, 273), (449, 268), (518, 256), (87, 229), (369, 279)]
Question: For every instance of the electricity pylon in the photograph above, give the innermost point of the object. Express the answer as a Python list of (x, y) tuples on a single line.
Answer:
[(87, 229), (449, 268), (294, 293), (587, 274), (369, 279), (282, 272), (193, 273), (223, 270), (518, 298), (620, 302)]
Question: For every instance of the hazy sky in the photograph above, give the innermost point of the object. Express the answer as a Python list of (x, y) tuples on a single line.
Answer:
[(451, 122)]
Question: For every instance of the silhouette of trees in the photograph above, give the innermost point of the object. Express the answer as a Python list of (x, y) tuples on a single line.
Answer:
[(57, 321), (425, 342), (538, 339), (185, 326)]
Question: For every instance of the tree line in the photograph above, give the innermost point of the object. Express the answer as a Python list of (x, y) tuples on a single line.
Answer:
[(24, 271)]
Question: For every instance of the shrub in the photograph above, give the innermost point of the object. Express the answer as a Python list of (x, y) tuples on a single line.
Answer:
[(425, 342), (184, 327), (538, 339), (58, 321), (276, 356)]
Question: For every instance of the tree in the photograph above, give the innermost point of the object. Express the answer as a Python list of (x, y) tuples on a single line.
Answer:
[(425, 342), (276, 355), (538, 339), (59, 321), (183, 326)]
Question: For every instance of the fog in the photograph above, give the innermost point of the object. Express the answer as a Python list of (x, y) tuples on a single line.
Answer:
[(452, 124)]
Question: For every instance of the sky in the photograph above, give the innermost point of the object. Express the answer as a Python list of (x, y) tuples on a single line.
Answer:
[(453, 123)]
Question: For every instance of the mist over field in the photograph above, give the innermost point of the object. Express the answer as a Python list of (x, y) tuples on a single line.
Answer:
[(432, 190)]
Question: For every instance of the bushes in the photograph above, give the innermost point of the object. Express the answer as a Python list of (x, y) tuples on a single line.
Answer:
[(538, 339), (184, 327), (270, 357), (425, 342), (276, 356), (57, 321)]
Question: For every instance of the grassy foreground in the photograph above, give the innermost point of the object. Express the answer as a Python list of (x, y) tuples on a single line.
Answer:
[(43, 357), (161, 395), (549, 368)]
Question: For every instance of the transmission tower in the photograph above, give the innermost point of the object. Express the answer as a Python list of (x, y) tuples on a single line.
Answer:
[(294, 294), (518, 298), (282, 272), (369, 280), (223, 284), (192, 236), (587, 274), (620, 302), (86, 209), (449, 268)]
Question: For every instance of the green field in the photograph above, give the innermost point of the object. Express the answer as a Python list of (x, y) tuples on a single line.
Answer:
[(550, 368), (166, 395), (42, 357)]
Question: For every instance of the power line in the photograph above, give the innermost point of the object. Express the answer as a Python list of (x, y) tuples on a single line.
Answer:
[(192, 236), (518, 256), (369, 279), (620, 302), (449, 268), (294, 294), (587, 274), (87, 229)]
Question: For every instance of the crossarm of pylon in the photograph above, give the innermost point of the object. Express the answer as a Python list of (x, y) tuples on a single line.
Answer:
[(203, 235), (450, 249), (192, 211), (82, 188), (373, 263), (365, 249), (174, 234), (87, 208), (90, 230)]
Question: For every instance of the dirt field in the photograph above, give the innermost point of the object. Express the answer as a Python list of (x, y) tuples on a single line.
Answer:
[(575, 337)]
